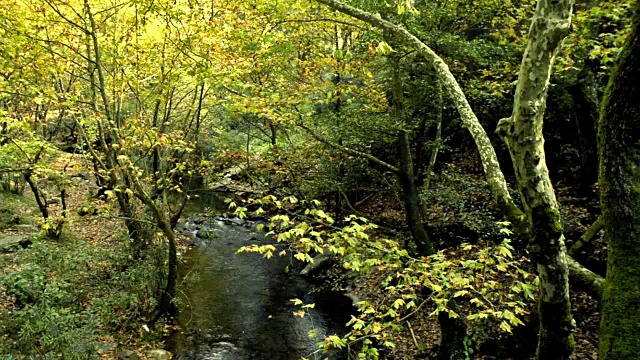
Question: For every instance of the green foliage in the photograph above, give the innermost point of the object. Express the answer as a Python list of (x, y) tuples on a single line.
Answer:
[(60, 298), (459, 199), (491, 282), (600, 32)]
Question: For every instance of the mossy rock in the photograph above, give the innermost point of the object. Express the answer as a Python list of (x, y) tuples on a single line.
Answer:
[(16, 209), (12, 243)]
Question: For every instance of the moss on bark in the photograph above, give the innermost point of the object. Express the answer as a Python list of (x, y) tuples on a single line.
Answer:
[(523, 134), (619, 149)]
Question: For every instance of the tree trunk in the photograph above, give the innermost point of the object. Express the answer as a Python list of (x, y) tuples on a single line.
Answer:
[(585, 101), (452, 334), (523, 135), (620, 200), (166, 303), (585, 279), (406, 174), (587, 237), (274, 134), (54, 230), (419, 149), (410, 195), (438, 139)]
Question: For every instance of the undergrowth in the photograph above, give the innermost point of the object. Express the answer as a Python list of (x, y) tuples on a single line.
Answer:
[(63, 299), (15, 209)]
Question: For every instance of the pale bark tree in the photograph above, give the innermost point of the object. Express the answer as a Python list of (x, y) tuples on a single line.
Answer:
[(523, 133), (620, 200)]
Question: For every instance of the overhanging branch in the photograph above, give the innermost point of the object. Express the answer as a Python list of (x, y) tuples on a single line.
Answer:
[(585, 279), (351, 151)]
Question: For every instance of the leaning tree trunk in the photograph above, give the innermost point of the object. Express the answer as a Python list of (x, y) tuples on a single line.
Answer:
[(620, 200), (523, 135)]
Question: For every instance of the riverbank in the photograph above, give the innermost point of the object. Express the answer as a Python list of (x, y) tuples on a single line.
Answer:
[(460, 211)]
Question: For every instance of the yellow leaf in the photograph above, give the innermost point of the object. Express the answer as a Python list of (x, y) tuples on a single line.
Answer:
[(296, 301), (376, 327)]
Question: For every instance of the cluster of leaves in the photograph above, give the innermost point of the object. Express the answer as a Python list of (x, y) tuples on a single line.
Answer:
[(493, 286), (599, 34)]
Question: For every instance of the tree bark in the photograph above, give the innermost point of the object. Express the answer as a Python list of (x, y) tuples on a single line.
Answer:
[(585, 279), (438, 139), (523, 135), (619, 150), (166, 303), (410, 195), (419, 149), (452, 334)]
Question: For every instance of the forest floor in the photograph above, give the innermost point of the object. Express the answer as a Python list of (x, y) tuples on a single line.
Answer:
[(80, 295)]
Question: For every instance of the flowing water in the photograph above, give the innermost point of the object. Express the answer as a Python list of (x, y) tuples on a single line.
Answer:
[(237, 306)]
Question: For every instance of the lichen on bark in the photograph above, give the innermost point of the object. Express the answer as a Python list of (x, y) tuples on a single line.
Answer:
[(522, 133)]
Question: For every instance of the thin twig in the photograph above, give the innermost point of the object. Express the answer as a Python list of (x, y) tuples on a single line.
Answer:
[(413, 335)]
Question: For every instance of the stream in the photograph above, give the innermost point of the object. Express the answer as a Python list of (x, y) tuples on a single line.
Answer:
[(237, 306)]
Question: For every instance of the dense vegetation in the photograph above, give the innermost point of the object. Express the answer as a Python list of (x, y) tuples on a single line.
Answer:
[(442, 154)]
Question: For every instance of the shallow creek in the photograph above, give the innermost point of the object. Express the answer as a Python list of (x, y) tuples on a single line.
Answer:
[(237, 306)]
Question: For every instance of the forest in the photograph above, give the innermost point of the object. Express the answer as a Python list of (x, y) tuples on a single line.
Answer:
[(320, 179)]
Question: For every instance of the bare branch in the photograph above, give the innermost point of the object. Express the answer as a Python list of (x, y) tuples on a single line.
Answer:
[(351, 151)]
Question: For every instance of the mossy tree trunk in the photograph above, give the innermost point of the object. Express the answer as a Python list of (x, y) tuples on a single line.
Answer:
[(523, 135), (619, 149)]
